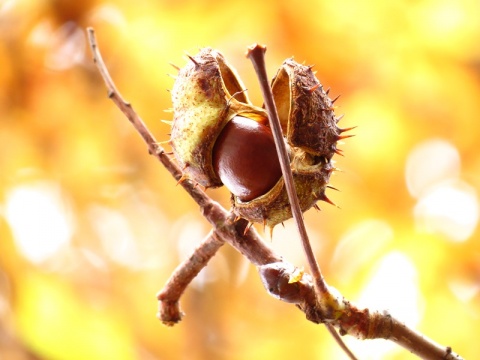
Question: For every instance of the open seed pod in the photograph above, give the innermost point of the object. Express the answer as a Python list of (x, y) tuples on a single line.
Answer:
[(207, 96), (305, 110), (310, 128), (310, 175)]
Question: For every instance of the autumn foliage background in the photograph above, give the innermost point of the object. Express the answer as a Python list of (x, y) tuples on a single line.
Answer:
[(91, 226)]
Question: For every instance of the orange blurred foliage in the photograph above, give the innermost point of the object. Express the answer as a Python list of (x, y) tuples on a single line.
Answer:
[(91, 226)]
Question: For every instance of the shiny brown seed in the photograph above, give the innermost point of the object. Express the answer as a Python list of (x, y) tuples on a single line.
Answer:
[(245, 158)]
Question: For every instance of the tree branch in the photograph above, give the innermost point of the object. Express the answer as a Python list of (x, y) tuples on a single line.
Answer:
[(168, 298), (276, 273)]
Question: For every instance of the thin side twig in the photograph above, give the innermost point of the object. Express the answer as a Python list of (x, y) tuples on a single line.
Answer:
[(340, 342), (168, 298), (360, 323)]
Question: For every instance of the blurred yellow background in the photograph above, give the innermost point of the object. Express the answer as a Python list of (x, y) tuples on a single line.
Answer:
[(91, 226)]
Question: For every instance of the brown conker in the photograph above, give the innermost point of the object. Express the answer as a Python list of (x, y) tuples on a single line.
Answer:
[(245, 158)]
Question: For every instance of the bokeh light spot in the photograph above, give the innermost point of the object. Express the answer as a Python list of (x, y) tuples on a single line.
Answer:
[(285, 241), (381, 128), (190, 233), (429, 162), (446, 17), (464, 289), (65, 45), (40, 219), (115, 234), (444, 21), (132, 233), (109, 13), (450, 208), (359, 245), (393, 287)]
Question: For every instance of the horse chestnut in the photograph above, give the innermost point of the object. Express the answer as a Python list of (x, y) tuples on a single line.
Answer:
[(219, 138), (245, 158)]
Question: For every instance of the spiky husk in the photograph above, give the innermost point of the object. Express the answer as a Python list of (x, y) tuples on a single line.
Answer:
[(305, 110), (203, 104), (310, 176)]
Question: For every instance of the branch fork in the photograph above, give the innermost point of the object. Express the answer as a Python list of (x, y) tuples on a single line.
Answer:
[(310, 293)]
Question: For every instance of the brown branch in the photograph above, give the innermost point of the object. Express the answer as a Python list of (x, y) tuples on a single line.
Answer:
[(276, 273), (168, 299), (221, 220), (331, 329), (348, 318), (256, 54)]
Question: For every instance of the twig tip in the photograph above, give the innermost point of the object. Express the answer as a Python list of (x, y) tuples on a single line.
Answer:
[(256, 50)]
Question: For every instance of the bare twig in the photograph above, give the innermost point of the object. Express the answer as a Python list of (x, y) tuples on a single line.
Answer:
[(340, 342), (168, 299), (351, 320), (256, 54)]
